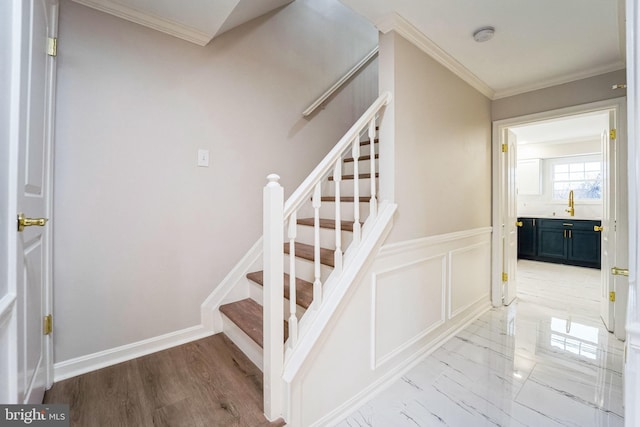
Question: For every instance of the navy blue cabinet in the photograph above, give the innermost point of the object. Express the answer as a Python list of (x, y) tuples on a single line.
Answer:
[(564, 241), (527, 238)]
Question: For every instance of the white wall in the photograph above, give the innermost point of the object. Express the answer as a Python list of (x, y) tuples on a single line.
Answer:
[(433, 273), (142, 235), (542, 205)]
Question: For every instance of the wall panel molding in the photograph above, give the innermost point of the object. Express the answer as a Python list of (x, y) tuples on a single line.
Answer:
[(470, 262), (400, 280), (404, 282)]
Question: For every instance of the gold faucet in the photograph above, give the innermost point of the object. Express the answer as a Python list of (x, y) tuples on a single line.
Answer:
[(571, 210)]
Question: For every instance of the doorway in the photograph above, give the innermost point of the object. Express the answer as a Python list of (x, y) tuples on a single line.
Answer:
[(528, 151)]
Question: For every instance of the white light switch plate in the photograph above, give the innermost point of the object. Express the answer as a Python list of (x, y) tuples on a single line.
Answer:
[(203, 158)]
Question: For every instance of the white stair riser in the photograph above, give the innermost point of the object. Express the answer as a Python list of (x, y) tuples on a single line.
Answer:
[(305, 269), (305, 234), (328, 210), (249, 347), (256, 292), (364, 166)]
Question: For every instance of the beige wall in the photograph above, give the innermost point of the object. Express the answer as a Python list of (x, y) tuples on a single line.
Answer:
[(442, 136), (142, 235), (579, 92)]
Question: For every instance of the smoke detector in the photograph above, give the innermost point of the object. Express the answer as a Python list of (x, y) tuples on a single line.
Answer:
[(483, 34)]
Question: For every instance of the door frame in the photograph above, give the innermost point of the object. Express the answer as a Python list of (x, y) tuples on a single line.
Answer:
[(500, 199)]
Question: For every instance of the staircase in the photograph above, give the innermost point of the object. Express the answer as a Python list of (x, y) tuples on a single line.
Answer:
[(246, 314), (312, 248)]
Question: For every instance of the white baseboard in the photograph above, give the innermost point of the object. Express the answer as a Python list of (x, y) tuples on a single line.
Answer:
[(351, 405), (102, 359)]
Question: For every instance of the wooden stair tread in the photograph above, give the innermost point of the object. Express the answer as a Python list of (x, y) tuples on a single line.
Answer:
[(361, 176), (368, 141), (247, 314), (304, 289), (305, 251), (327, 223), (350, 159), (363, 199)]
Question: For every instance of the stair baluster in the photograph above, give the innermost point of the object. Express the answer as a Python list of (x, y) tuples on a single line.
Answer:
[(355, 152), (373, 202), (317, 284), (337, 179), (293, 319)]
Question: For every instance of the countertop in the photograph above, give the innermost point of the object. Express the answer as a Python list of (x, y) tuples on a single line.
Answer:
[(575, 218)]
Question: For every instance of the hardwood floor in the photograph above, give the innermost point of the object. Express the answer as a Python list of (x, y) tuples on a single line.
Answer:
[(208, 382)]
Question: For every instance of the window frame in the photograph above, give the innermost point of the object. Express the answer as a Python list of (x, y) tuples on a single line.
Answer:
[(583, 159)]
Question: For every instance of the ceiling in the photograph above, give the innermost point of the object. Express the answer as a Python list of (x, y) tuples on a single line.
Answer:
[(537, 43), (197, 21), (576, 128)]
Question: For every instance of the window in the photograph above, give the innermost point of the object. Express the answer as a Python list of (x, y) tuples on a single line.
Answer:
[(583, 177)]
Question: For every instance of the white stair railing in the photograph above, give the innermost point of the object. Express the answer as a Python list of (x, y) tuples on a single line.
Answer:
[(278, 214)]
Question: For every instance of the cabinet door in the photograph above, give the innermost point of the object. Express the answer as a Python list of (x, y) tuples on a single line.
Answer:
[(527, 239), (584, 247), (552, 243)]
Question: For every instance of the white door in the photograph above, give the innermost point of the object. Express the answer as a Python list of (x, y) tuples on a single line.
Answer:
[(510, 254), (620, 283), (33, 248), (615, 224), (608, 249)]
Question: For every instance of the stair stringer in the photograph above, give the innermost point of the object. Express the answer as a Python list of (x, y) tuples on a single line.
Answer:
[(234, 287), (316, 322)]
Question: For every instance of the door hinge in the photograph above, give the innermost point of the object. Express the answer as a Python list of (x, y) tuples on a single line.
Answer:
[(505, 148), (48, 324), (612, 296), (612, 134), (505, 277), (52, 46)]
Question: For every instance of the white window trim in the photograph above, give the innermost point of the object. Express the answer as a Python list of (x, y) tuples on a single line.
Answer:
[(587, 158)]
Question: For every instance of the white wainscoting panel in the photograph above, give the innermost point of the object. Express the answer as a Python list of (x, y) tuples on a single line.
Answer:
[(407, 303), (415, 296), (467, 266)]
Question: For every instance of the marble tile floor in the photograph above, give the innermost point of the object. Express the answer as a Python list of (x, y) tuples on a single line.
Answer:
[(546, 360)]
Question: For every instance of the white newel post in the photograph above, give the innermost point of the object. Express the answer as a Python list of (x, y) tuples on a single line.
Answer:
[(273, 300)]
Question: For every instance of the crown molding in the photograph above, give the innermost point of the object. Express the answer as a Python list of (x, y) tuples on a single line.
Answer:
[(397, 23), (166, 26), (555, 81)]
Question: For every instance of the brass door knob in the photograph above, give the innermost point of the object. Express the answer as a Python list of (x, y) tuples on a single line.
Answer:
[(597, 228), (30, 222), (519, 224)]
